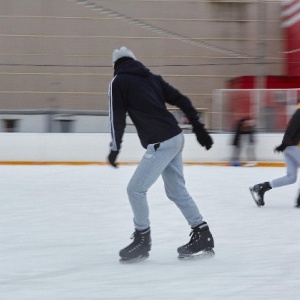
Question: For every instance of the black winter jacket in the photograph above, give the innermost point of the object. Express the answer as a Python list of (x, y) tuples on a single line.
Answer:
[(240, 130), (143, 96), (292, 133)]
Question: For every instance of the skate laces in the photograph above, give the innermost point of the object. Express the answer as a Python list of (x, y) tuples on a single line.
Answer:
[(257, 188), (194, 234), (261, 188), (139, 240), (133, 235), (139, 233)]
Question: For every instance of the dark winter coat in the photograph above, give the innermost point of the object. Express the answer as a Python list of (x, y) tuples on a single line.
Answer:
[(292, 133), (143, 96), (240, 130)]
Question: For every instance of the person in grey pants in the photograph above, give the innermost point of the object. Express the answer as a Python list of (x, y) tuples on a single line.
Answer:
[(290, 147), (143, 96)]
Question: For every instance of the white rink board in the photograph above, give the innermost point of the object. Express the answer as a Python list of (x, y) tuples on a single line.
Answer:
[(74, 147)]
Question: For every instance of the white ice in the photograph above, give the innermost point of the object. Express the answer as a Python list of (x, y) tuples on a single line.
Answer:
[(61, 228)]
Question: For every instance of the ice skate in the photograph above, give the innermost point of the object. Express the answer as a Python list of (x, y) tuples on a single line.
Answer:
[(139, 249), (200, 245), (258, 192)]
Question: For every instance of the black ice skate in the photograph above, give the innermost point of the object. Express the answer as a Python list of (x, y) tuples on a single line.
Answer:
[(201, 244), (258, 192), (139, 249)]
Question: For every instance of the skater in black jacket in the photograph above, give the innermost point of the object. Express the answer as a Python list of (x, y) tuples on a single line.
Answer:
[(244, 138), (142, 95), (290, 147)]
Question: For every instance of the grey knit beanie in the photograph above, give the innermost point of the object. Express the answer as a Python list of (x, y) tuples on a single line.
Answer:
[(122, 52)]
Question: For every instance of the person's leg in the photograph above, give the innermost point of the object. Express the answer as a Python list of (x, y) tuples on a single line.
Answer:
[(155, 160), (251, 152), (235, 159), (292, 159), (251, 156), (201, 241), (176, 191), (298, 201)]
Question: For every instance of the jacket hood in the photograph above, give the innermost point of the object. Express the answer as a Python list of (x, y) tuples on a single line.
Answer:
[(133, 67)]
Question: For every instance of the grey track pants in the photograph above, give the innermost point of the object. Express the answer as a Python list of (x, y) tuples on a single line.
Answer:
[(161, 159), (292, 159)]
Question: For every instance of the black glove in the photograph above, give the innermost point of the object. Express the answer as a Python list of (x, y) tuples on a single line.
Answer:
[(112, 157), (202, 135), (280, 148)]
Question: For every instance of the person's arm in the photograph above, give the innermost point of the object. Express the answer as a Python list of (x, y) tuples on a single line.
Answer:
[(117, 119), (174, 97), (292, 129)]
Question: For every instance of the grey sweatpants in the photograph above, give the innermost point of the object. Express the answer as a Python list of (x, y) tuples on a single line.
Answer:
[(161, 159), (292, 159)]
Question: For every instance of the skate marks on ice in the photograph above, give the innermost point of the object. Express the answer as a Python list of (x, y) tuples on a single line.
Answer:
[(203, 254), (140, 258), (61, 247)]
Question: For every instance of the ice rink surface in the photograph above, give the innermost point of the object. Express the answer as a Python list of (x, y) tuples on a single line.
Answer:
[(61, 228)]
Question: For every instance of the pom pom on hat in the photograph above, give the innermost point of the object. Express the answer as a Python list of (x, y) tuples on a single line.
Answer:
[(122, 52)]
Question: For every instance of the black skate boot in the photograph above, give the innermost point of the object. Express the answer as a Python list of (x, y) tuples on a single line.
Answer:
[(139, 249), (258, 192), (201, 244)]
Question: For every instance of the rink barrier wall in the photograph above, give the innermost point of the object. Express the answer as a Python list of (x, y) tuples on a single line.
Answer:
[(93, 148)]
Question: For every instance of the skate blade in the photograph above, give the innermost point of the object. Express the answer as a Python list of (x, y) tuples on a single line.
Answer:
[(125, 260), (256, 200), (208, 253)]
